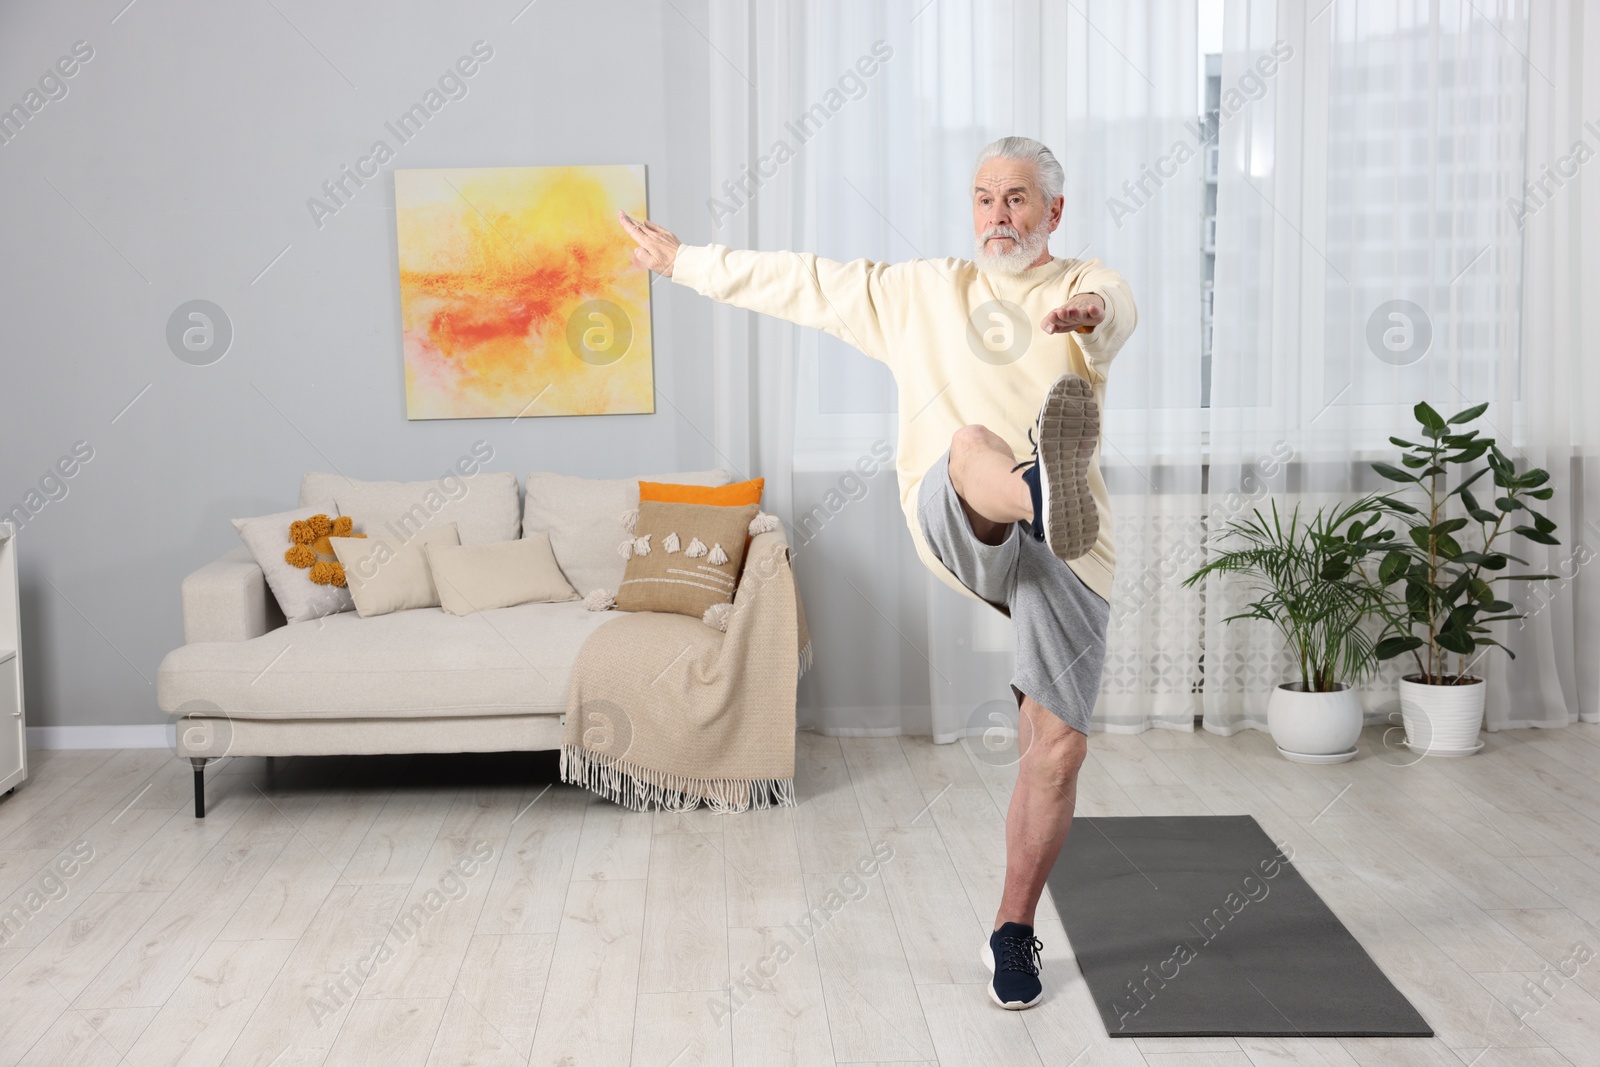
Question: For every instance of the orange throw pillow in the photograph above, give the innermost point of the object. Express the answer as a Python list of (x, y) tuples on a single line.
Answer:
[(727, 496)]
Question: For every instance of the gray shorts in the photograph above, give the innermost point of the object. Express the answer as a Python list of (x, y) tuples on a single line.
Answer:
[(1060, 622)]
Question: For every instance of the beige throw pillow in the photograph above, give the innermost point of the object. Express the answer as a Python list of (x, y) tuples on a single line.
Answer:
[(480, 577), (387, 574), (684, 558)]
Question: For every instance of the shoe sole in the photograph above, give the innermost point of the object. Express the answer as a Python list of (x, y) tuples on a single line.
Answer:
[(1068, 434), (986, 954)]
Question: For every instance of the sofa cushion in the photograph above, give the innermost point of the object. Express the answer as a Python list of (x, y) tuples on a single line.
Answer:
[(734, 495), (473, 578), (270, 537), (690, 559), (407, 664), (483, 505), (583, 517), (387, 574)]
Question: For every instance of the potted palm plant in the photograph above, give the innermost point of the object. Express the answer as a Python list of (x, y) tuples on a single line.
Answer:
[(1307, 583), (1448, 588)]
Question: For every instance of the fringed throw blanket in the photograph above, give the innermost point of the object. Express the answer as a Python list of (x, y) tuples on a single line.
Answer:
[(665, 711)]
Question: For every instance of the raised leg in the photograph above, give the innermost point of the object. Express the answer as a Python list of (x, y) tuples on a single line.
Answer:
[(993, 495), (199, 764), (1040, 813)]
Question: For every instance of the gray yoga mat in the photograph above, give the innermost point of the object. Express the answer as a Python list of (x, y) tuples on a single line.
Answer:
[(1190, 926)]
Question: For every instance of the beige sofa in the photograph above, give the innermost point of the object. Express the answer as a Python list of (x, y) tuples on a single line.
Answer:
[(244, 683)]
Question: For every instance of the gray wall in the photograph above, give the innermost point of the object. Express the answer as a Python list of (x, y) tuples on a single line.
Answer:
[(176, 167)]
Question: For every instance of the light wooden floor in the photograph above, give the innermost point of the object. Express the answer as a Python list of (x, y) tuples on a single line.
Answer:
[(586, 934)]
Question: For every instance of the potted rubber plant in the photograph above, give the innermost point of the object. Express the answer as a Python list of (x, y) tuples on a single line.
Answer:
[(1446, 580), (1307, 583)]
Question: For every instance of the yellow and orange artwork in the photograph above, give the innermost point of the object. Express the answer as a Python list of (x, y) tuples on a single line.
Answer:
[(518, 296)]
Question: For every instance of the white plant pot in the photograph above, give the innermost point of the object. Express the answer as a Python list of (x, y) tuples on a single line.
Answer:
[(1441, 720), (1314, 727)]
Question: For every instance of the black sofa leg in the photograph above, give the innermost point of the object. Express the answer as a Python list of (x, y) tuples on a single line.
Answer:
[(199, 764)]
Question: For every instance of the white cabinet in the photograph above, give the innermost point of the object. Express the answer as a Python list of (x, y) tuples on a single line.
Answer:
[(13, 724)]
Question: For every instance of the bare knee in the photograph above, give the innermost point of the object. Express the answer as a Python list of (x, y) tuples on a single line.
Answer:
[(1057, 760), (966, 445), (1054, 751), (974, 438)]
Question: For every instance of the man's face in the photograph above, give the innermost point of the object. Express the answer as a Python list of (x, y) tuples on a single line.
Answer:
[(1011, 219)]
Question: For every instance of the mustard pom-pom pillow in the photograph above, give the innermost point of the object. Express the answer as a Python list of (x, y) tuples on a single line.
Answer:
[(300, 566), (317, 555)]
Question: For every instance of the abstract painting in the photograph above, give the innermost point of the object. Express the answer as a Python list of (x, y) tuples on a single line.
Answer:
[(518, 296)]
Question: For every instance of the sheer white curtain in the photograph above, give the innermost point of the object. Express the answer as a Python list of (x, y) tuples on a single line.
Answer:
[(1110, 86), (1367, 260), (1555, 678)]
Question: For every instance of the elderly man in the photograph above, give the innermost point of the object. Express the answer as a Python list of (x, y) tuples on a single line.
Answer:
[(979, 385)]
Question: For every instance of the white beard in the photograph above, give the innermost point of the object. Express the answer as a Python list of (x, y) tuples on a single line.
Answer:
[(1025, 249)]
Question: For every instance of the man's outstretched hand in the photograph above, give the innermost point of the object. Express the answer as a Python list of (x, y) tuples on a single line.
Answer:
[(657, 247), (1082, 313)]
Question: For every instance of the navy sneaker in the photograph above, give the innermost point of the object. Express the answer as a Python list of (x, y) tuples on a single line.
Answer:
[(1012, 956), (1064, 440)]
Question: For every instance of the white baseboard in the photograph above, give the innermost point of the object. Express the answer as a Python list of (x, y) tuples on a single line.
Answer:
[(153, 735)]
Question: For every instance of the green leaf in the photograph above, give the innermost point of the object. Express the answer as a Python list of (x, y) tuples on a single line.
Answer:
[(1419, 534), (1541, 523), (1414, 461), (1393, 473), (1543, 494), (1469, 414), (1506, 504), (1393, 566), (1527, 577), (1452, 641), (1403, 444), (1499, 605), (1537, 535), (1535, 477), (1469, 452), (1430, 419), (1448, 547), (1390, 647), (1449, 526)]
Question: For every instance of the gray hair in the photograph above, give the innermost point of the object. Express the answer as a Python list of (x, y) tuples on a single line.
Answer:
[(1026, 150)]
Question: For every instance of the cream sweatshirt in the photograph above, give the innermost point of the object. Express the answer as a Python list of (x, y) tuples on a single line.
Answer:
[(964, 347)]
